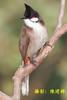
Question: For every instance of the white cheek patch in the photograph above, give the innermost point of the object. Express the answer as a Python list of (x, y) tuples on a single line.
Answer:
[(34, 19)]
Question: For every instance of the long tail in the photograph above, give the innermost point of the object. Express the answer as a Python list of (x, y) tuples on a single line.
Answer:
[(25, 86)]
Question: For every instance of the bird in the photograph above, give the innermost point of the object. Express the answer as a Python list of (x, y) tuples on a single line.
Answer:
[(33, 36)]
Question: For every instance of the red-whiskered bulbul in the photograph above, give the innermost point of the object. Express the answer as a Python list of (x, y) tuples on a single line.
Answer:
[(32, 38)]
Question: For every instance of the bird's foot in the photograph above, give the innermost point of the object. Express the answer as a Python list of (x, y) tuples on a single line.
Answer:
[(47, 44)]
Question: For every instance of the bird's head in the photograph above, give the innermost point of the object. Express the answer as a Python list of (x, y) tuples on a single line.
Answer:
[(31, 16)]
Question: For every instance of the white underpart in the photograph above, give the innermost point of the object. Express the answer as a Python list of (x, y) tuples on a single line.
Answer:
[(40, 34)]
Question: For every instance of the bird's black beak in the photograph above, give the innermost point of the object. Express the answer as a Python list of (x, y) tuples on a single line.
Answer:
[(23, 18)]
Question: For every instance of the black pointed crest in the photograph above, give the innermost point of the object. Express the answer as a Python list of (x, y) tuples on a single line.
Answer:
[(30, 12)]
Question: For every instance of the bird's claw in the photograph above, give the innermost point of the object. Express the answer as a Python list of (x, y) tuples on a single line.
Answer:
[(47, 44)]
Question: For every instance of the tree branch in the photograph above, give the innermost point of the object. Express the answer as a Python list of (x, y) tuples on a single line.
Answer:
[(61, 14), (4, 96)]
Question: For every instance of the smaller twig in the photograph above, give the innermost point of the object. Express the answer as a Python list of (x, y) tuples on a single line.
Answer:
[(4, 96), (61, 14)]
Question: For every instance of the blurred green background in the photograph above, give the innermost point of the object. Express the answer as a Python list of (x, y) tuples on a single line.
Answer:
[(52, 74)]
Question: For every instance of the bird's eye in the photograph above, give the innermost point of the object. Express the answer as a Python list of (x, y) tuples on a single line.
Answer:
[(34, 19)]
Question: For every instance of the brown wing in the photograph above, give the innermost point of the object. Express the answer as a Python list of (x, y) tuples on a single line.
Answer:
[(23, 43)]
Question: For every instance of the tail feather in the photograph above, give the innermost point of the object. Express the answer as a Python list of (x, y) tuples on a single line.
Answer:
[(25, 86)]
